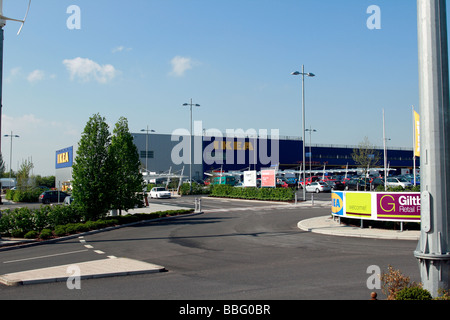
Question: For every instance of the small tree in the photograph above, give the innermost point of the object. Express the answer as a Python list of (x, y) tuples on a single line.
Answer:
[(23, 176), (128, 183), (366, 156), (92, 170)]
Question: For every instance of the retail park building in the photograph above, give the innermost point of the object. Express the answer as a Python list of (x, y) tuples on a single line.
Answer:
[(169, 153)]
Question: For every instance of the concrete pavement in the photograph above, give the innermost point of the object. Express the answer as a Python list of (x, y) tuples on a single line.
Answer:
[(111, 267), (122, 266)]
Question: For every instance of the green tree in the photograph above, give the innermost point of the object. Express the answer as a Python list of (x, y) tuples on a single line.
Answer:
[(23, 176), (366, 156), (92, 170), (127, 182)]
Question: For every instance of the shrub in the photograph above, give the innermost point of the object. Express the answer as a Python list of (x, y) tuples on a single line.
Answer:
[(393, 282), (196, 189), (274, 194), (17, 233), (31, 235), (26, 195), (413, 293), (9, 194), (45, 234), (60, 231), (71, 228)]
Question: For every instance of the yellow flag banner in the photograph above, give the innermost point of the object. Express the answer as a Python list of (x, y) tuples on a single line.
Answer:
[(417, 134)]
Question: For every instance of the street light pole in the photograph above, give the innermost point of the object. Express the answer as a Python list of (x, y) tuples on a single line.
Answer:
[(10, 153), (303, 74), (433, 252), (146, 146), (310, 149), (190, 143)]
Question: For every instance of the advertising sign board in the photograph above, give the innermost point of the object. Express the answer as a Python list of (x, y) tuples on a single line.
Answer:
[(268, 178), (382, 206), (64, 158), (398, 206), (358, 204), (249, 178)]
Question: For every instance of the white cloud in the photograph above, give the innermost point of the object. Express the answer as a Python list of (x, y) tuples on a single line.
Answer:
[(87, 70), (14, 73), (36, 75), (180, 65), (120, 49)]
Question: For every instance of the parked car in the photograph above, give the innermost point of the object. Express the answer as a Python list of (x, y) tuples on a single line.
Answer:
[(376, 182), (398, 182), (356, 184), (309, 180), (160, 192), (317, 187), (281, 183), (51, 196), (338, 185)]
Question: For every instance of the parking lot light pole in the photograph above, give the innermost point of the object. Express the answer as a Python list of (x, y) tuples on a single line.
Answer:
[(433, 249), (10, 154), (190, 143), (303, 74), (146, 146), (310, 148)]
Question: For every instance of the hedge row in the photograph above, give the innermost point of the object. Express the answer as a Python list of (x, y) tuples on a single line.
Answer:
[(274, 194), (23, 196), (380, 188), (50, 221)]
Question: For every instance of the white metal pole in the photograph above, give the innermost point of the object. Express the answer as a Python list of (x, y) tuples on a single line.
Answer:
[(303, 132), (433, 248)]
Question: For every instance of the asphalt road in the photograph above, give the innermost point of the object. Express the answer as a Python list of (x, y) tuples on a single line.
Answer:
[(235, 250)]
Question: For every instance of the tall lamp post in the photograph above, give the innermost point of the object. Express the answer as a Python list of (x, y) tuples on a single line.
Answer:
[(190, 143), (310, 149), (146, 146), (303, 74), (433, 249), (10, 153), (3, 20)]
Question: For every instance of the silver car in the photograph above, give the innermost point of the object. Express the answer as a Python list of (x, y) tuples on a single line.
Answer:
[(398, 182), (317, 187)]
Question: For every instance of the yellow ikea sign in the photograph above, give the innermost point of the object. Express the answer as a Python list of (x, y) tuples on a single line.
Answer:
[(63, 158), (233, 145)]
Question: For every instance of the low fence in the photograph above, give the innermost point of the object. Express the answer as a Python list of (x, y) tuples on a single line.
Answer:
[(378, 206)]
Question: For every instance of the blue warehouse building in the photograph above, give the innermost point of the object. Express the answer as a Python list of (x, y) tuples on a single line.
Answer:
[(162, 153), (287, 153)]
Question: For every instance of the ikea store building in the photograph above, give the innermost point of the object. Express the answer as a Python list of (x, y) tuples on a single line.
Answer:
[(169, 153)]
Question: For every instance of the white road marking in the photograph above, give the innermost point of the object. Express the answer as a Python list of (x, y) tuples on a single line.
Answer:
[(48, 256)]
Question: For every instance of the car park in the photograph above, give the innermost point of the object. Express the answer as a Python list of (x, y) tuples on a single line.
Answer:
[(160, 192), (52, 196), (318, 186)]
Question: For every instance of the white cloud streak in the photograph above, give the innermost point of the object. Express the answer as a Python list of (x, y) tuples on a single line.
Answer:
[(180, 65), (87, 70), (35, 76)]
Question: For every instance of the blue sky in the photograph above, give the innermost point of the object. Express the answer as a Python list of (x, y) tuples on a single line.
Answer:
[(142, 59)]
